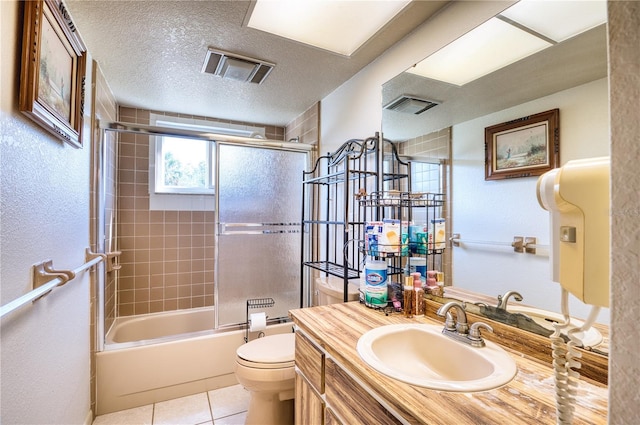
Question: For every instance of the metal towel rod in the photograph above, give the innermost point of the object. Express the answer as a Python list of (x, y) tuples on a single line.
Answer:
[(519, 244), (43, 289)]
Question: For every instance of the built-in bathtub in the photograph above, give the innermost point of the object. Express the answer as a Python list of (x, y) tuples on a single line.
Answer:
[(162, 356), (143, 329)]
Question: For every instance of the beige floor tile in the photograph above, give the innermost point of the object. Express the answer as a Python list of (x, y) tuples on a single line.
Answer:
[(190, 410), (232, 420), (136, 416), (228, 401)]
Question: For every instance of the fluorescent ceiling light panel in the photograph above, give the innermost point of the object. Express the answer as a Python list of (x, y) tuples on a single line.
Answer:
[(487, 48), (336, 25), (558, 20)]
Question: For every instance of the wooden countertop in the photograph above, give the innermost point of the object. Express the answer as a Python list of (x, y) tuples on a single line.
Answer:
[(527, 399)]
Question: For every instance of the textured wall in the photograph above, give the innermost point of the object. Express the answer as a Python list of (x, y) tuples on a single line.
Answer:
[(624, 71), (44, 214)]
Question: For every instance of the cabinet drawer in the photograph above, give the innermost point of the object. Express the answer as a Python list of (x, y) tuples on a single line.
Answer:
[(343, 394), (330, 418), (309, 406), (310, 361)]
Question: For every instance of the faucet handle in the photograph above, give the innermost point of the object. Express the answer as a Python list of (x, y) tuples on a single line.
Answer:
[(474, 333), (449, 322)]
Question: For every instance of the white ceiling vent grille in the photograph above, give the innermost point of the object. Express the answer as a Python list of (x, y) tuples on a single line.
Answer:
[(236, 67), (411, 105)]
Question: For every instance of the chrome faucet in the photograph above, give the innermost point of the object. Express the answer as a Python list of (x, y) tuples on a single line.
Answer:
[(504, 299), (459, 325), (459, 329)]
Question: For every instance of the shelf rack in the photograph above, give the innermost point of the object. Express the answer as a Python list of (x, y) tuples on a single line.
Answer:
[(364, 180)]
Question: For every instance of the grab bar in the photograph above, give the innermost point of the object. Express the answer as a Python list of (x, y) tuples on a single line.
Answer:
[(519, 244), (42, 289)]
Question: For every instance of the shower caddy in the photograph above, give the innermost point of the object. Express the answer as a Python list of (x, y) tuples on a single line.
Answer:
[(364, 180)]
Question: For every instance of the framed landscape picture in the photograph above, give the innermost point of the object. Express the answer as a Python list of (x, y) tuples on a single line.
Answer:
[(524, 147), (53, 70)]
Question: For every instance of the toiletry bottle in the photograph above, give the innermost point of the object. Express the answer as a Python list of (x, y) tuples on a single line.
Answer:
[(408, 296), (419, 265), (419, 294), (431, 278)]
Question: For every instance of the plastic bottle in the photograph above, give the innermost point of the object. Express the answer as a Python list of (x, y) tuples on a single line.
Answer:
[(419, 265), (375, 272), (419, 294)]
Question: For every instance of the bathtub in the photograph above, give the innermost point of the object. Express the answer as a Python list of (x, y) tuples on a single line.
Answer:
[(158, 327), (161, 356)]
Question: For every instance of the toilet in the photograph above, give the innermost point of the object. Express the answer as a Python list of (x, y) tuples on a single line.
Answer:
[(265, 367), (331, 290)]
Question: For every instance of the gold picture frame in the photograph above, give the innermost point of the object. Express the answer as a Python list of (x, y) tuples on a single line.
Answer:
[(53, 70), (524, 147)]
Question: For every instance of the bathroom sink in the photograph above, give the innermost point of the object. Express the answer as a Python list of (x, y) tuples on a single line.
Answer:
[(421, 355), (546, 319)]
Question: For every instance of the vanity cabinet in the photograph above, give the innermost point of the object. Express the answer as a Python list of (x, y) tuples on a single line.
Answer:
[(309, 407), (330, 418), (310, 361), (351, 401), (325, 392)]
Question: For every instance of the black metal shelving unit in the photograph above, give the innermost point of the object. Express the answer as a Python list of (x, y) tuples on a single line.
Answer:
[(364, 180)]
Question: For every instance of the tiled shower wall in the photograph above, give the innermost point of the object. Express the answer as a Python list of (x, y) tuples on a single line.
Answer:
[(167, 256), (429, 178), (306, 127)]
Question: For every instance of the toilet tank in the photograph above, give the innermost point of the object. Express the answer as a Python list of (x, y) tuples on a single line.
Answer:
[(330, 290)]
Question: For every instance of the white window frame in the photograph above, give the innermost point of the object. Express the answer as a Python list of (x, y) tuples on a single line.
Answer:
[(194, 199), (160, 187)]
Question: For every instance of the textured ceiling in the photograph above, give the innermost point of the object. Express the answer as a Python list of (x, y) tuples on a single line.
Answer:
[(151, 53)]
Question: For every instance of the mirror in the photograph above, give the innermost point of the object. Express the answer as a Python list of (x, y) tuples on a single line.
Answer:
[(576, 62)]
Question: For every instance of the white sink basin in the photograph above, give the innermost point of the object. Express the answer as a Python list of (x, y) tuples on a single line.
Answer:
[(545, 318), (421, 355)]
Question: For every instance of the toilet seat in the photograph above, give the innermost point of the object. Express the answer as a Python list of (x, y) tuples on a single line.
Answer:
[(271, 352)]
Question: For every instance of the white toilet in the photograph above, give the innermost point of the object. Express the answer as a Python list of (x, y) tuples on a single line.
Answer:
[(265, 367)]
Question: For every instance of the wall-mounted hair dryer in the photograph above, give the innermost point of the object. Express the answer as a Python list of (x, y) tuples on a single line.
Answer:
[(577, 196)]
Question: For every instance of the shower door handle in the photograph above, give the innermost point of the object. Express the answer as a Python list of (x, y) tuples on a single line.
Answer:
[(225, 229)]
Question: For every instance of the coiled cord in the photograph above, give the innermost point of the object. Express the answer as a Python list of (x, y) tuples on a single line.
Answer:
[(565, 362), (564, 393)]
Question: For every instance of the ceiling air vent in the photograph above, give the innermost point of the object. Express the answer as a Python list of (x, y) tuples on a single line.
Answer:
[(236, 67), (411, 105)]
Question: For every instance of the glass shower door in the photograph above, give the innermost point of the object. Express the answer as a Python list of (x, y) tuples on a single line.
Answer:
[(258, 225)]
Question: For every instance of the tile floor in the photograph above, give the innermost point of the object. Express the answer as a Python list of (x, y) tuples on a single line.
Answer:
[(224, 406)]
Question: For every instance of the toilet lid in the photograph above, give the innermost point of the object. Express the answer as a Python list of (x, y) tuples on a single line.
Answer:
[(278, 348)]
